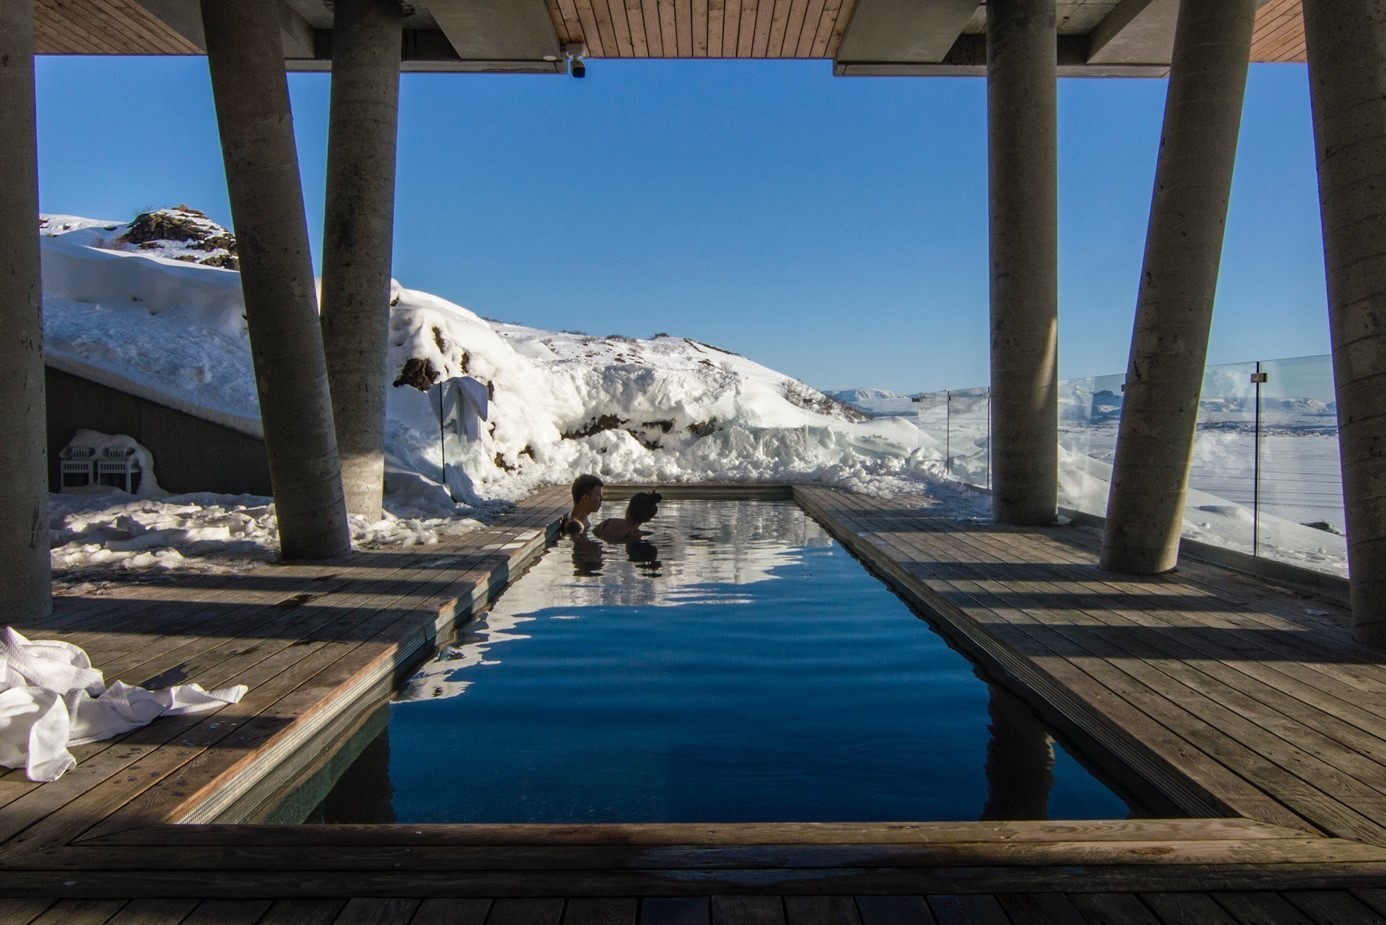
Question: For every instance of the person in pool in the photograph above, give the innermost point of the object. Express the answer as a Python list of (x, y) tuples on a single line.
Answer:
[(587, 500), (641, 510)]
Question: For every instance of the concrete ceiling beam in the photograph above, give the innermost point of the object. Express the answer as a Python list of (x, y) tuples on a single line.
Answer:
[(505, 32), (1136, 32), (182, 16), (185, 18), (903, 31)]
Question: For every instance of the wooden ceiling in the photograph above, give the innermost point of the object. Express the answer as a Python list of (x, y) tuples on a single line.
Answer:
[(807, 29), (814, 28)]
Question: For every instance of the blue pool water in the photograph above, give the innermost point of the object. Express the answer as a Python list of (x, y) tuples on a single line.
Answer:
[(739, 666)]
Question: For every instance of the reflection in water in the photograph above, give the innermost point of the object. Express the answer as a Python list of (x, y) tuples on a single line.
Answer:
[(587, 556), (363, 792), (646, 555), (1020, 760), (696, 553), (649, 691)]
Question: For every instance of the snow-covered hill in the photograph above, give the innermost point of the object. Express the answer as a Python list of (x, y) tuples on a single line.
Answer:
[(153, 307), (145, 316)]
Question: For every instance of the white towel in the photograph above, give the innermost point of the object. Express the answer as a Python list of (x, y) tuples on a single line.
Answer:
[(475, 408), (51, 698)]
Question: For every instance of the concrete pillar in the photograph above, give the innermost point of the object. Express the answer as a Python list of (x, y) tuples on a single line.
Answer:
[(24, 580), (1022, 132), (257, 142), (1346, 43), (1174, 309), (358, 237)]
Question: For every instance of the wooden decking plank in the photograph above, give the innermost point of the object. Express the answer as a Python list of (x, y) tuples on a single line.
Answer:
[(1040, 909), (1225, 699), (1127, 727), (1113, 909), (80, 912), (676, 910), (274, 671), (226, 911), (269, 678), (1265, 603), (820, 910), (1188, 909), (1095, 831), (305, 912), (1317, 687), (1338, 907), (1342, 657), (1022, 596), (526, 911), (894, 910), (392, 640), (748, 910), (153, 912), (276, 581), (955, 909), (390, 911), (1223, 685), (601, 911), (1261, 907), (687, 882), (1374, 899), (23, 911), (468, 860), (1207, 725), (1166, 648), (1360, 768), (452, 912), (383, 624), (112, 651), (1159, 709), (274, 624)]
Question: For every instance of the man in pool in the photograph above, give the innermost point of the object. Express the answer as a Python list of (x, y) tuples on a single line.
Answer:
[(587, 500)]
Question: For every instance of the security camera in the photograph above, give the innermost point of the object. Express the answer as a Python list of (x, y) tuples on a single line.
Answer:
[(575, 52)]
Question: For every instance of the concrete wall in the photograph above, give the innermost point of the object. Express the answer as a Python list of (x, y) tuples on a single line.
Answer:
[(190, 454)]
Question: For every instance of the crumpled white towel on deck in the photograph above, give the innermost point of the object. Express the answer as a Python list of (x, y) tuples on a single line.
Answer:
[(51, 698)]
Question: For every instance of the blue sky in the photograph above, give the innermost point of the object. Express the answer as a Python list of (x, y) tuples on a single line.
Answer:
[(834, 229)]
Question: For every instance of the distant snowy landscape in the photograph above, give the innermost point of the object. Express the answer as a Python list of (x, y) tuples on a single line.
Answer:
[(154, 308)]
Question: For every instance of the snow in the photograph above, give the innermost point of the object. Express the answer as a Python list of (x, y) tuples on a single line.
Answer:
[(662, 410)]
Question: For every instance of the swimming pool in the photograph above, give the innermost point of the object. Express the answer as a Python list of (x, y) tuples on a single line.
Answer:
[(738, 666)]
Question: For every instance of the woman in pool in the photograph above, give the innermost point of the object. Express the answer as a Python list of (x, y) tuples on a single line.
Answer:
[(641, 510)]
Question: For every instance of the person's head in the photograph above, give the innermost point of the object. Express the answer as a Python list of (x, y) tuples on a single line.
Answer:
[(587, 493), (643, 506)]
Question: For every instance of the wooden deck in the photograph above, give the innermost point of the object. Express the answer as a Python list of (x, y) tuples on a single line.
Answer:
[(1246, 707)]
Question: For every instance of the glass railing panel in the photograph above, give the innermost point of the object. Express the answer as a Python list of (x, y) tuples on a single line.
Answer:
[(969, 435), (1222, 475), (1300, 490), (931, 417), (1089, 412)]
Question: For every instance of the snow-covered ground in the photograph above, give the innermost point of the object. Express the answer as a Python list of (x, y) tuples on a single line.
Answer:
[(163, 318), (1245, 493), (148, 318)]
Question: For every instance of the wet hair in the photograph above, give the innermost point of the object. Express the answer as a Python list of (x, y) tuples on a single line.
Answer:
[(643, 506), (583, 485)]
